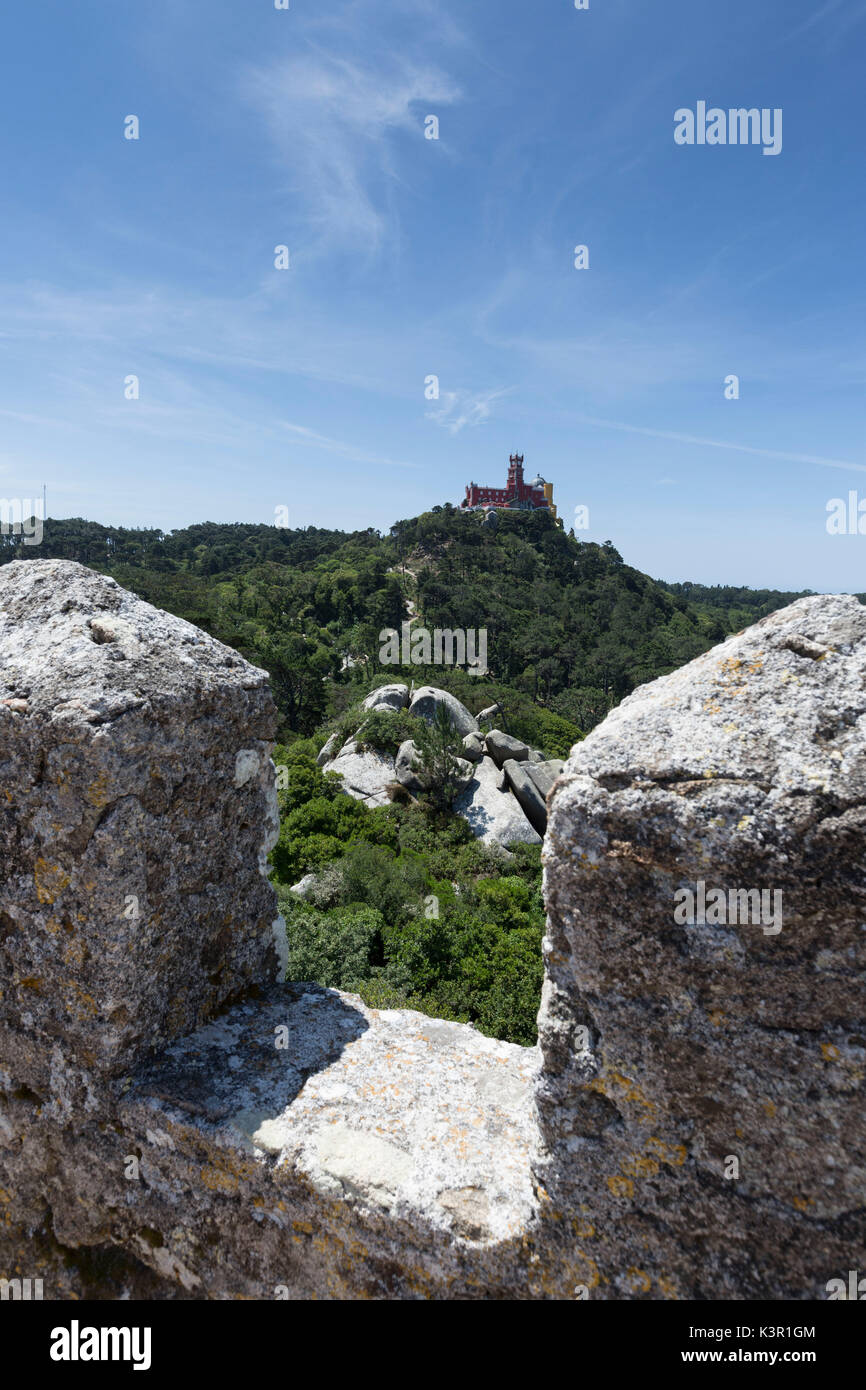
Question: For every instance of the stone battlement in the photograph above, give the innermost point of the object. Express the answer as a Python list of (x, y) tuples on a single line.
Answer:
[(174, 1122)]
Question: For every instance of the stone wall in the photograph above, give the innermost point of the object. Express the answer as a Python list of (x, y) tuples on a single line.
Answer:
[(137, 803), (703, 1085), (175, 1123)]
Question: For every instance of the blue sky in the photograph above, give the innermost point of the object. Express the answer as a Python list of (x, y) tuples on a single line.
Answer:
[(412, 257)]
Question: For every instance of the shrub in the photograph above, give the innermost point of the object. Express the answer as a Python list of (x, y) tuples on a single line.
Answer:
[(387, 729), (331, 948), (329, 887), (374, 874), (312, 835)]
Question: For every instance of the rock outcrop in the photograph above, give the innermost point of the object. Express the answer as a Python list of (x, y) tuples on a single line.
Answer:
[(303, 885), (532, 781), (388, 697), (494, 815), (499, 809), (365, 775), (502, 746), (544, 774), (428, 699), (328, 751), (487, 715), (531, 801), (473, 747), (406, 765), (691, 1126)]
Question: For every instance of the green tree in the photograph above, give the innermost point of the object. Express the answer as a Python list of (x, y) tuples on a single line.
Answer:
[(439, 746)]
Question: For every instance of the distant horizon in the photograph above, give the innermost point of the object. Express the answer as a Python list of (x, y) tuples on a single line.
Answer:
[(383, 532)]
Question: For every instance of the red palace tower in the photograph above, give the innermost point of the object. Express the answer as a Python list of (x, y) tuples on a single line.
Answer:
[(517, 495)]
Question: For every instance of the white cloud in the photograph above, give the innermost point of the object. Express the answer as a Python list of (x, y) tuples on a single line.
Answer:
[(457, 409), (333, 123)]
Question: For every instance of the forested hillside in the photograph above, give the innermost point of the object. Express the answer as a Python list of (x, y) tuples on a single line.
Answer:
[(571, 630), (735, 607)]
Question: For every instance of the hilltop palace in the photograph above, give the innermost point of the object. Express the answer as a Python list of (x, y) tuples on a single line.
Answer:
[(517, 495)]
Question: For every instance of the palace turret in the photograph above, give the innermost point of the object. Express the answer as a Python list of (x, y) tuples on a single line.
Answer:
[(517, 495)]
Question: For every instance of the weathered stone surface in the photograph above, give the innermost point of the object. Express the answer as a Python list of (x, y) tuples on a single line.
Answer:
[(97, 1272), (502, 746), (375, 1154), (473, 747), (454, 1109), (544, 774), (328, 751), (707, 1043), (531, 801), (138, 808), (489, 714), (494, 816), (388, 697), (365, 775), (426, 700), (410, 776), (405, 765)]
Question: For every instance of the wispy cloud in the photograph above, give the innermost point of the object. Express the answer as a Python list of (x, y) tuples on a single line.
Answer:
[(836, 17), (333, 123), (457, 409), (336, 446), (783, 454), (251, 333)]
